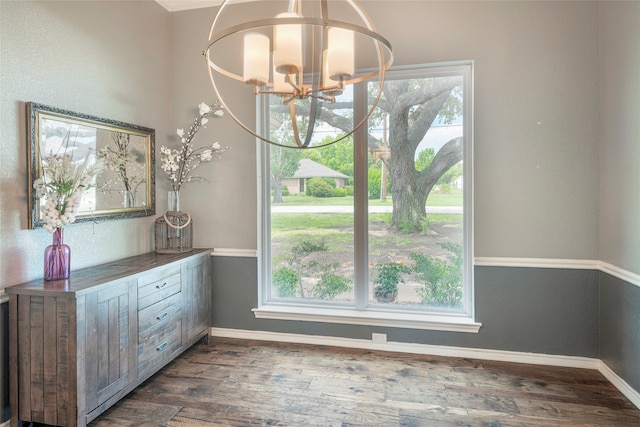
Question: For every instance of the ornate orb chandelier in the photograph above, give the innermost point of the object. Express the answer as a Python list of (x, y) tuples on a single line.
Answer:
[(300, 61)]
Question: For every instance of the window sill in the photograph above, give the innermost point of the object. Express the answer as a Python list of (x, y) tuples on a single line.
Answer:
[(432, 322)]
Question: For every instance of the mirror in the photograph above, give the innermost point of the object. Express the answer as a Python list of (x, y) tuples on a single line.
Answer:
[(125, 187)]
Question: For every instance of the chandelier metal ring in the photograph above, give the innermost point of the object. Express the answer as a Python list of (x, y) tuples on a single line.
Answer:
[(265, 23), (316, 91)]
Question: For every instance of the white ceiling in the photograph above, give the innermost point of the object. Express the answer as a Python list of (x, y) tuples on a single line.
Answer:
[(177, 5)]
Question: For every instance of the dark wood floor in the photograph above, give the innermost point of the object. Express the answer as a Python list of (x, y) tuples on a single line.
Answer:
[(241, 383)]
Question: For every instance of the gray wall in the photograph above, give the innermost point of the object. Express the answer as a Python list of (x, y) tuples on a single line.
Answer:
[(620, 186), (106, 59), (223, 208), (620, 135), (547, 311), (619, 326)]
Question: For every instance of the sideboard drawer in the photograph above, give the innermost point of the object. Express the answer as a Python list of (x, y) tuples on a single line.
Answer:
[(154, 349), (164, 287), (156, 317)]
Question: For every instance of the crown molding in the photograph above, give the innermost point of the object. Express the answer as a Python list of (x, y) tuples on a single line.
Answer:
[(179, 5)]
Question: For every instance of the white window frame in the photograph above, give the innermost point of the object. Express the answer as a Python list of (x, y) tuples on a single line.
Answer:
[(361, 312)]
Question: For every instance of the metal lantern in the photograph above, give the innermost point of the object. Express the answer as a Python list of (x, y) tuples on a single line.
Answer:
[(173, 233)]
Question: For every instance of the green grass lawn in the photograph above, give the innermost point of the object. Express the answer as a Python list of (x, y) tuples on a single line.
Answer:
[(289, 228), (454, 198), (294, 224)]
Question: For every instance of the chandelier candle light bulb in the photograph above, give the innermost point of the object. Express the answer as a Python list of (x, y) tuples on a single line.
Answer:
[(256, 58), (287, 50), (340, 55)]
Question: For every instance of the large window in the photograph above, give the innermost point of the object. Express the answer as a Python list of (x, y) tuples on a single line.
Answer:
[(377, 227)]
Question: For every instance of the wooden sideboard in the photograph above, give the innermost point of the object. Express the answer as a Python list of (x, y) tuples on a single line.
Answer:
[(77, 346)]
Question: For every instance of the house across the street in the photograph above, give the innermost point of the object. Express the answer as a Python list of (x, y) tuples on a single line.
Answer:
[(297, 184)]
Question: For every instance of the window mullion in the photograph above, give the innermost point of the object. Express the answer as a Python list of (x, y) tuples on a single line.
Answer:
[(361, 218), (263, 166)]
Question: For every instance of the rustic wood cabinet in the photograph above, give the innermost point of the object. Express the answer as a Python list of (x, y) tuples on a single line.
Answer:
[(79, 345)]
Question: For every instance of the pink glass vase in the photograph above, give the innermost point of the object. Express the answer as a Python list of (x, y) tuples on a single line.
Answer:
[(57, 258)]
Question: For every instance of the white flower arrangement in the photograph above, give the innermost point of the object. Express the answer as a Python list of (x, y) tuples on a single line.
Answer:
[(62, 184), (180, 164)]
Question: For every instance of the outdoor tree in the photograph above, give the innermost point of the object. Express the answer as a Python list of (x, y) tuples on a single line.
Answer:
[(338, 156), (424, 159), (412, 106), (452, 174), (284, 164)]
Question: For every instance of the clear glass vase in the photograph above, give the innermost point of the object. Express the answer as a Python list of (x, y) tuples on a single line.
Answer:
[(174, 201), (57, 258), (173, 231)]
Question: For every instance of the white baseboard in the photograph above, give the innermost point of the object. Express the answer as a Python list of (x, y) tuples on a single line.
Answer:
[(401, 347), (620, 384), (439, 350)]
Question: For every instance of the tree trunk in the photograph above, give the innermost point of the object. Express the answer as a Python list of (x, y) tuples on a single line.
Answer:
[(411, 188), (411, 114), (276, 186), (408, 208)]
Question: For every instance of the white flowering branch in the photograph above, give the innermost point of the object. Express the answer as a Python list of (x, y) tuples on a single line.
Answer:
[(62, 183), (180, 164)]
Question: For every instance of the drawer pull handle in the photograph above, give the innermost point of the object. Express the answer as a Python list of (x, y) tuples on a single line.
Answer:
[(161, 286), (161, 346), (162, 316)]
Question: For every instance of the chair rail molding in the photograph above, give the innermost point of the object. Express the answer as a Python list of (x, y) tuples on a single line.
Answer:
[(231, 252), (575, 264)]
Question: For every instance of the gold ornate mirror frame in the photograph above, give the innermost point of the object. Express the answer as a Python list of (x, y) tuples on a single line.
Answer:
[(126, 186)]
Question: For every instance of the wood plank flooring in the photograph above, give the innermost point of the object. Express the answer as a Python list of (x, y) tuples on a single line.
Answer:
[(242, 383)]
